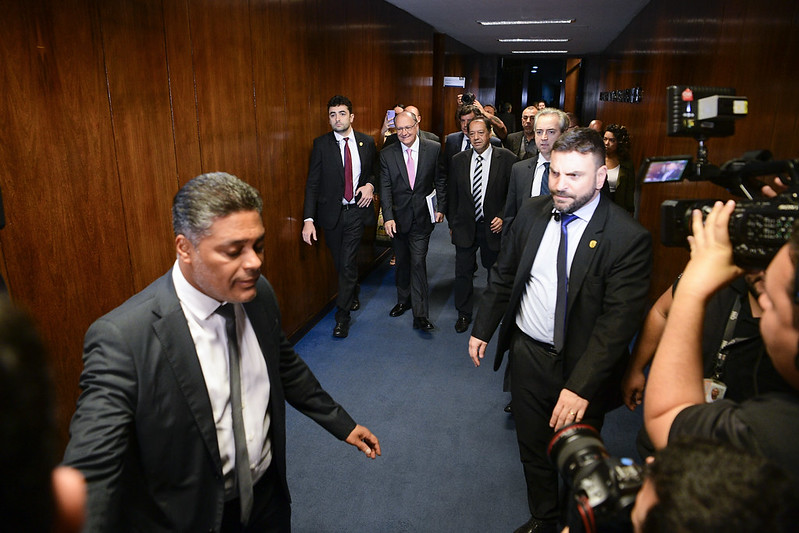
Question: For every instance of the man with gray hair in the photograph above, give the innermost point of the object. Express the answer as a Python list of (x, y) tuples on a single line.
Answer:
[(160, 431)]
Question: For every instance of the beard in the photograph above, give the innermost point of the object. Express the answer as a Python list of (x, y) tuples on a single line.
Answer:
[(571, 203)]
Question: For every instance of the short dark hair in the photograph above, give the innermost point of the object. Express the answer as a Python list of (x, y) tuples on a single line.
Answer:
[(622, 139), (338, 100), (710, 486), (27, 424), (207, 197), (584, 141), (465, 109), (482, 119)]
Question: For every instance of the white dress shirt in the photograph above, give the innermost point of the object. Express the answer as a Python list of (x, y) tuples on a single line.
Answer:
[(538, 176), (210, 341), (536, 316)]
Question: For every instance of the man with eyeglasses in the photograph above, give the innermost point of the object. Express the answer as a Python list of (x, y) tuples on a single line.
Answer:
[(408, 175)]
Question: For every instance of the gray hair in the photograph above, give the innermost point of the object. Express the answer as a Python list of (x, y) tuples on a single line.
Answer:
[(207, 197), (563, 118)]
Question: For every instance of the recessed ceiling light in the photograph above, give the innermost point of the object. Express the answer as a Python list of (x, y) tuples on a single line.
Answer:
[(521, 22), (533, 40), (539, 52)]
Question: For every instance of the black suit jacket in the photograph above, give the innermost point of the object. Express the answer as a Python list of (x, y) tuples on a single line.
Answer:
[(143, 434), (513, 142), (607, 297), (461, 201), (522, 176), (324, 188), (401, 203)]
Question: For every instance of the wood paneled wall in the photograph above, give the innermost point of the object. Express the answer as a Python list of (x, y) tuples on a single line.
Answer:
[(751, 46), (109, 107)]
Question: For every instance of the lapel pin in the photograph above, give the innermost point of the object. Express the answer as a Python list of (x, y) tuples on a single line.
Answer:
[(360, 144), (592, 244)]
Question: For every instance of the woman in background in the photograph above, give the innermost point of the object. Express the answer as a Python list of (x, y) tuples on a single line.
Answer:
[(621, 170)]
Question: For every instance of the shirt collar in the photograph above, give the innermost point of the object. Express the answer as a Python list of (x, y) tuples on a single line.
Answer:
[(486, 154), (340, 137), (195, 301), (541, 160), (414, 146)]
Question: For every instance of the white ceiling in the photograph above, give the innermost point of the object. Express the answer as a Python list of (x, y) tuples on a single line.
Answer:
[(596, 22)]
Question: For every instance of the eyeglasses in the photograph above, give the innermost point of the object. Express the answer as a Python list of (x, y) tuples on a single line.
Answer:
[(406, 129)]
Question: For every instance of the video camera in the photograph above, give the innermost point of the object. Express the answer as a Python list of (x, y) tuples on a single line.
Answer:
[(603, 487), (758, 227)]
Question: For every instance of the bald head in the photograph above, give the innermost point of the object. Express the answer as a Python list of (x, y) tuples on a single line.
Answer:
[(597, 125), (415, 110)]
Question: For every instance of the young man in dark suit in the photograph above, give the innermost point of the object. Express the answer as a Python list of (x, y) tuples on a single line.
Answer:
[(478, 187), (338, 196), (160, 432), (408, 174), (570, 290)]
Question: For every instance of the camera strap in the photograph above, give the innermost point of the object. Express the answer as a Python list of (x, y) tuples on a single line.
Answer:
[(728, 339)]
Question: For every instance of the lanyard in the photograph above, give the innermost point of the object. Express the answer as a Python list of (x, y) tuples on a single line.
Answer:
[(728, 340)]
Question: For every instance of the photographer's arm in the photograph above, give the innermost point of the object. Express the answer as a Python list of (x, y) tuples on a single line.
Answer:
[(675, 380), (634, 381)]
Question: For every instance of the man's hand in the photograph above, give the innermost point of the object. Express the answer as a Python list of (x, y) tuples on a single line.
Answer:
[(711, 266), (391, 228), (439, 217), (308, 232), (570, 408), (366, 192), (632, 387), (362, 438), (477, 350), (496, 225)]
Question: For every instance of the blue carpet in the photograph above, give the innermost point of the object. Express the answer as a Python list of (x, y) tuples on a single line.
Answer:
[(450, 460)]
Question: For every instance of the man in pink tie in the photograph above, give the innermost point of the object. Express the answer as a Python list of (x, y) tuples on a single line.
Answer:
[(338, 196), (408, 175)]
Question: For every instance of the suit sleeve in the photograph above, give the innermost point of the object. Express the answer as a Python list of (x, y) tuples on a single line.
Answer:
[(101, 428), (386, 198), (372, 169), (313, 182), (441, 186), (510, 203), (624, 299)]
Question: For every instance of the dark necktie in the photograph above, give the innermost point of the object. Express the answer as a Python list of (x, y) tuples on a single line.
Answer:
[(563, 281), (477, 189), (243, 475), (468, 144), (347, 171), (545, 179)]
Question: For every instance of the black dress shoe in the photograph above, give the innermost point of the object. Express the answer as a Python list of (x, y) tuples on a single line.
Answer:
[(341, 330), (399, 309), (536, 526), (356, 304), (508, 408), (423, 324), (462, 324)]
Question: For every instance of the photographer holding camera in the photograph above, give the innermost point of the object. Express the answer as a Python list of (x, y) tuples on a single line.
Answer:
[(675, 399)]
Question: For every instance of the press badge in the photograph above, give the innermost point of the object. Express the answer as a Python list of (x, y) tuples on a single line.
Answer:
[(714, 390)]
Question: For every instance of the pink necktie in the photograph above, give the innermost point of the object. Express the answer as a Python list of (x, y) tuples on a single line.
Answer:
[(411, 169)]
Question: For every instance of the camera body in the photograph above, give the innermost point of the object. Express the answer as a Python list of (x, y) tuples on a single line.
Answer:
[(603, 487), (467, 98)]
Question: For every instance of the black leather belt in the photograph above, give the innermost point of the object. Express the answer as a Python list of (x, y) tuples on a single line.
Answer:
[(347, 207)]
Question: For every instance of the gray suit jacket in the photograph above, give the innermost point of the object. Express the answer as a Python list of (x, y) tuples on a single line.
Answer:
[(143, 433), (607, 297), (513, 142), (521, 184)]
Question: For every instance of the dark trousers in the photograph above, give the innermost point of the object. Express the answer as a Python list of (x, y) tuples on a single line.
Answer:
[(537, 379), (410, 249), (464, 268), (343, 241), (271, 511)]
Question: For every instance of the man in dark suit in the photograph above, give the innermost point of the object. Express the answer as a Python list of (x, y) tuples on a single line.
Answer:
[(530, 177), (338, 195), (159, 431), (522, 143), (477, 190), (408, 174), (391, 139), (569, 306)]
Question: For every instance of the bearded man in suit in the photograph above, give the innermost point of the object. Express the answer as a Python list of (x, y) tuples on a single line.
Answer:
[(570, 290), (160, 432)]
